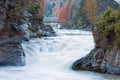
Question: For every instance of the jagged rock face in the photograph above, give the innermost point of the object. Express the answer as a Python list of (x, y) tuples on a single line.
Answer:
[(105, 57), (102, 58), (16, 26), (11, 35), (11, 52)]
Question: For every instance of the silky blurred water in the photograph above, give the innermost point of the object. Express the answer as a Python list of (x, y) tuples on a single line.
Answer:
[(51, 58)]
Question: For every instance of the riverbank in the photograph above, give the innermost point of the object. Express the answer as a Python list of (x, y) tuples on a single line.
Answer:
[(105, 57), (51, 58), (18, 23)]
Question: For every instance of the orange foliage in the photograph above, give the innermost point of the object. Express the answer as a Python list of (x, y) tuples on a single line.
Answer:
[(56, 9), (90, 9), (64, 12), (41, 4)]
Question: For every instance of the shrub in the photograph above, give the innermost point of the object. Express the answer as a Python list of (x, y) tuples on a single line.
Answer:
[(108, 26), (34, 8)]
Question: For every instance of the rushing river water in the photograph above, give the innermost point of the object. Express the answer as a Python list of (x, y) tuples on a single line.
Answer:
[(51, 58)]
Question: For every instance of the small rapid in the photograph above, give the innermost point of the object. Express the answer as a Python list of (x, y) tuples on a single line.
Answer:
[(51, 58)]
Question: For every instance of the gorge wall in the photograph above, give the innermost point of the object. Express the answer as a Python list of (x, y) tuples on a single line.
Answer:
[(19, 20), (105, 57)]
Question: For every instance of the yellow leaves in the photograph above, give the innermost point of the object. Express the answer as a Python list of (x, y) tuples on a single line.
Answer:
[(41, 5), (108, 26), (90, 9), (74, 14)]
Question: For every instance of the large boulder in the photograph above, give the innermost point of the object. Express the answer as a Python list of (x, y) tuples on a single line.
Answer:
[(92, 62), (100, 61), (40, 31), (11, 52)]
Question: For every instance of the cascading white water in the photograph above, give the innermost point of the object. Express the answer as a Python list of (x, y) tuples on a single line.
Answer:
[(50, 58)]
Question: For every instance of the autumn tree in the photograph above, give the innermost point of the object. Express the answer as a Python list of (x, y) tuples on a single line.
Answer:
[(56, 9), (64, 12), (90, 9)]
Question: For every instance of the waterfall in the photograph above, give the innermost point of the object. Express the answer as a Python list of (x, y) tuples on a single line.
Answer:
[(51, 58)]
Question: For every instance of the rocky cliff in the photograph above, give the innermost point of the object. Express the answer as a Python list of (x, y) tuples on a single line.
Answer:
[(79, 19), (105, 57), (18, 22)]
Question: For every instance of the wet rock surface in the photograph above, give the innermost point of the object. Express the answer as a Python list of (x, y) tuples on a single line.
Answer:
[(105, 57), (16, 27), (102, 58), (11, 52)]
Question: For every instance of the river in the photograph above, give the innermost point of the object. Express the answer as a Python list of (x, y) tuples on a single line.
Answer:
[(51, 58)]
